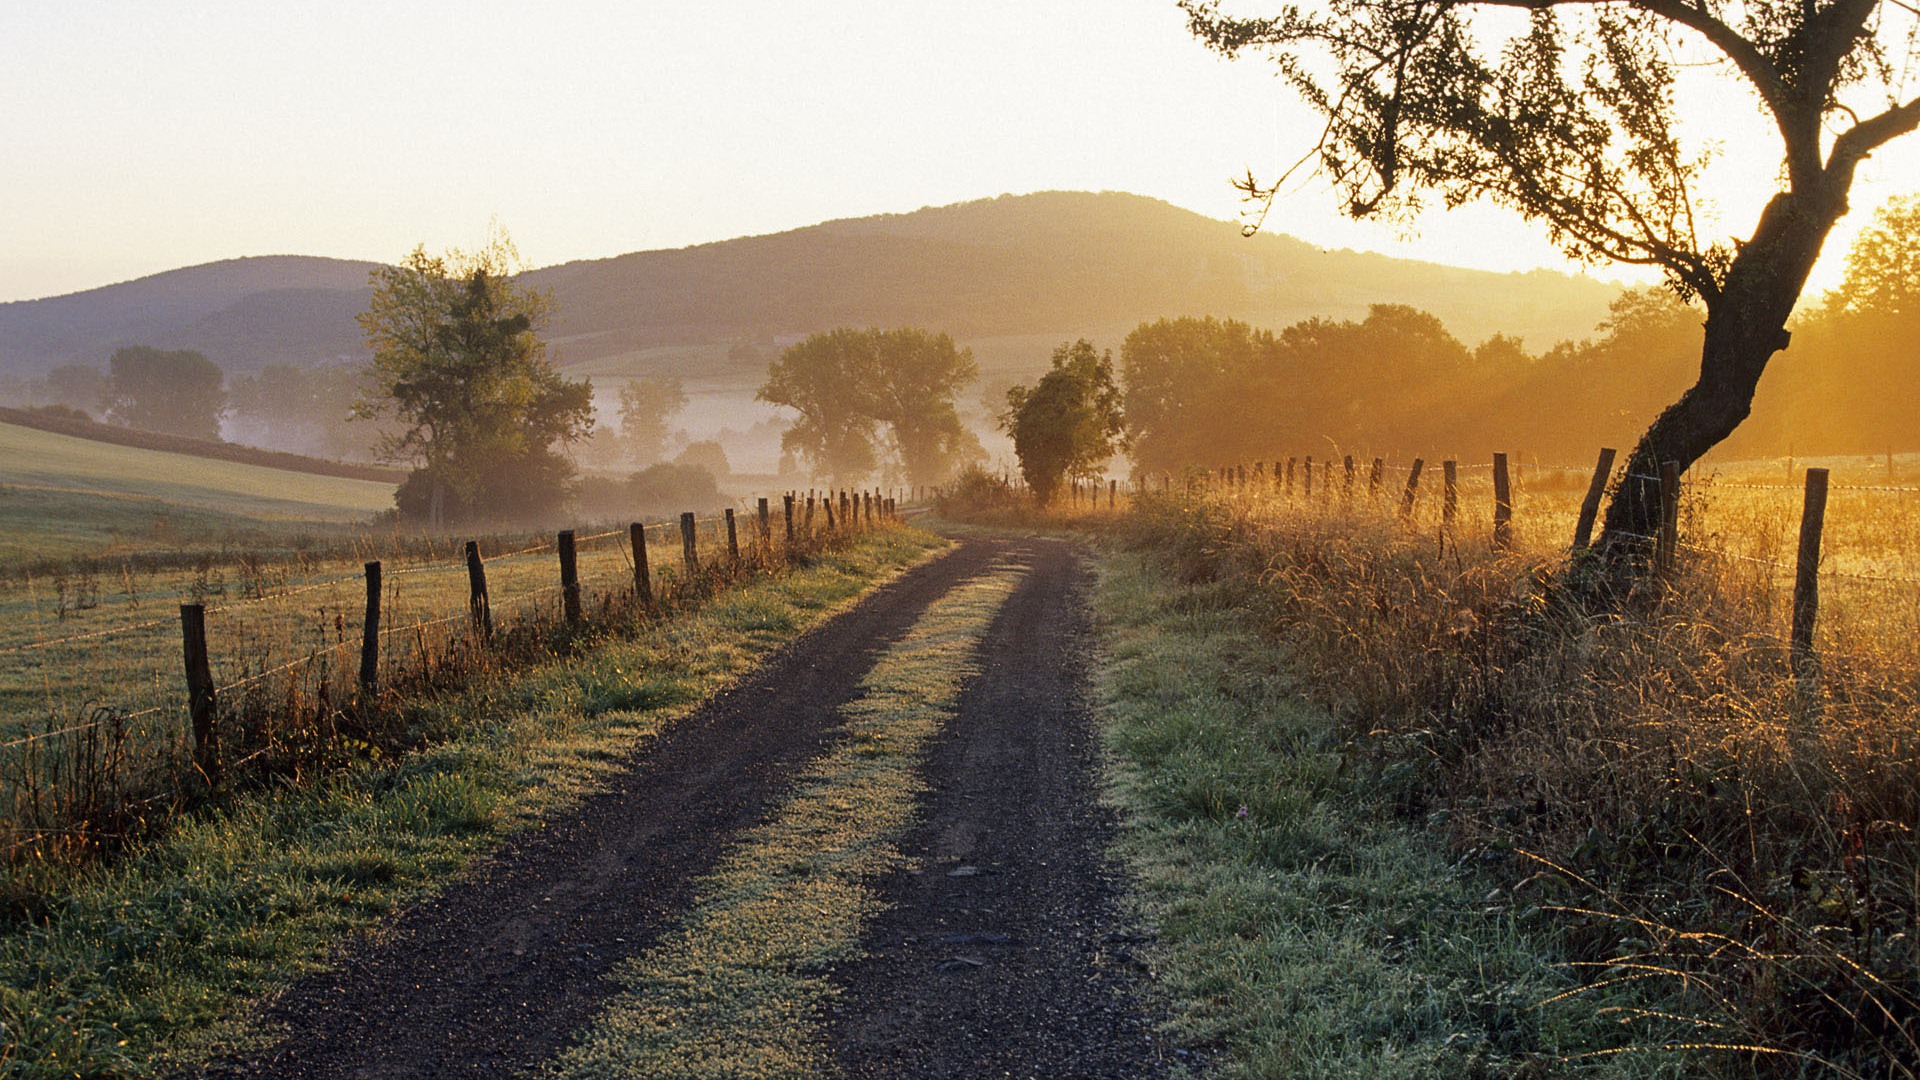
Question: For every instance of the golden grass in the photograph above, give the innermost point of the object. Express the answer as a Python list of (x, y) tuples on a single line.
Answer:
[(1698, 817)]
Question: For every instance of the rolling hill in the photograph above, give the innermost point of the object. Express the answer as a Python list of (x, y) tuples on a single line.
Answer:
[(1016, 269)]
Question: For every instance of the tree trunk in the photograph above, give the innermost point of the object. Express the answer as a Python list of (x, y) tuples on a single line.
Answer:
[(1746, 325)]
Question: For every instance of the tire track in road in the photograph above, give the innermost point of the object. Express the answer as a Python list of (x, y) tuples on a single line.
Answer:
[(1007, 953)]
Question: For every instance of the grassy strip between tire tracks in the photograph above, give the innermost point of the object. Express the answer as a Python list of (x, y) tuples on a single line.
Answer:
[(741, 988), (1302, 932), (143, 966)]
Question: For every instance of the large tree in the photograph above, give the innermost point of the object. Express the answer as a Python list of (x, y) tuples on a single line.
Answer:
[(177, 392), (1068, 423), (459, 364), (851, 386), (1569, 116)]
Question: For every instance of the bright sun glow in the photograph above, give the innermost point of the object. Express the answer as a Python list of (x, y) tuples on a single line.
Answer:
[(146, 138)]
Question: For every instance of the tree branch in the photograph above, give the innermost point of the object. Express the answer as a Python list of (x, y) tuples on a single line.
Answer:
[(1872, 133), (1753, 63)]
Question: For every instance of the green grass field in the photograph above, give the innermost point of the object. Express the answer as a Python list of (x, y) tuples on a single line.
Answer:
[(61, 496)]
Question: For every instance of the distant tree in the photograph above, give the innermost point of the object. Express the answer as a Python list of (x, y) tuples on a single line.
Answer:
[(173, 392), (77, 386), (1069, 422), (458, 363), (646, 406), (851, 385), (706, 454), (919, 376), (1573, 122), (671, 489), (1181, 376), (305, 409), (1883, 266)]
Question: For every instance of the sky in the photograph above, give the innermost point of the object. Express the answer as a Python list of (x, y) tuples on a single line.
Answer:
[(144, 136)]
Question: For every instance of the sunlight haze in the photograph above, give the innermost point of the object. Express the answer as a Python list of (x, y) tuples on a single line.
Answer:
[(147, 138)]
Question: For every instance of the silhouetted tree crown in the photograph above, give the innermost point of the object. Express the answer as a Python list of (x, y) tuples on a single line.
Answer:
[(1571, 118)]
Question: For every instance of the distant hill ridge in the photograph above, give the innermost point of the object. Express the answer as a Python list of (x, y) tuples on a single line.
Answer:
[(1054, 262)]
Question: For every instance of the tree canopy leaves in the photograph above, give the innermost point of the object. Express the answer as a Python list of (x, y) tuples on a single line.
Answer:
[(851, 387), (1069, 422), (458, 362)]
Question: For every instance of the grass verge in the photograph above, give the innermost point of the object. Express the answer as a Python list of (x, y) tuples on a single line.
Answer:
[(144, 965), (1303, 930), (740, 989)]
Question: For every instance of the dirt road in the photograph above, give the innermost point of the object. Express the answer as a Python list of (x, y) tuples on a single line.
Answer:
[(1002, 955)]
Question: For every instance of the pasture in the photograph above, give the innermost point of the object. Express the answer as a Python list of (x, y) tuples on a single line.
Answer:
[(63, 496)]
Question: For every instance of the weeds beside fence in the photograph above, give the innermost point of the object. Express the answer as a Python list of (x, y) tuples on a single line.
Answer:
[(1710, 816), (142, 708)]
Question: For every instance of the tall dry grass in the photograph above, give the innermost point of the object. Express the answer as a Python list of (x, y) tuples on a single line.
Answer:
[(1739, 841)]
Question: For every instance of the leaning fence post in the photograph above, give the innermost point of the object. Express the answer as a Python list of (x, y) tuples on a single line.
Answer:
[(370, 632), (1806, 573), (201, 702), (1502, 505), (569, 578), (1413, 487), (477, 605), (687, 545), (1667, 544), (1449, 498), (828, 503), (1590, 506), (642, 578)]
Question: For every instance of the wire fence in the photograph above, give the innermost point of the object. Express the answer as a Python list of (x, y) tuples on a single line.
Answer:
[(96, 702), (1865, 568)]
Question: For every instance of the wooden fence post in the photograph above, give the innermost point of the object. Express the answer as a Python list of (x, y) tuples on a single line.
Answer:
[(733, 539), (477, 604), (1306, 474), (1502, 505), (1113, 494), (1449, 498), (1666, 546), (370, 632), (1290, 463), (1806, 574), (201, 702), (1374, 477), (642, 577), (1590, 506), (1346, 485), (1413, 487), (766, 531), (786, 507), (808, 524), (569, 578), (688, 542)]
